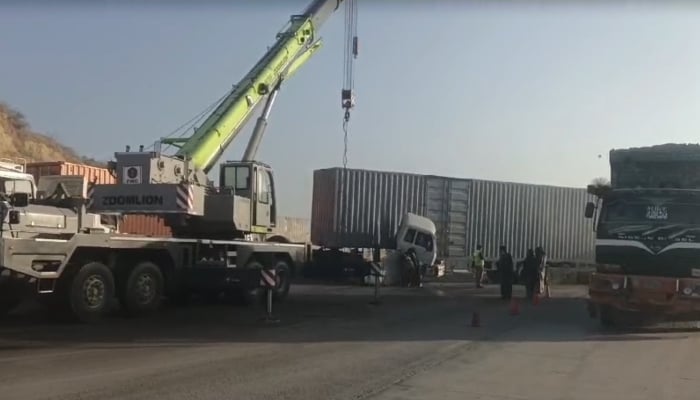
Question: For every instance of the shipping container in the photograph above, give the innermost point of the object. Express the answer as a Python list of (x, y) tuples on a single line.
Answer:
[(295, 230), (366, 211), (522, 216), (144, 224), (465, 212), (39, 169), (150, 225)]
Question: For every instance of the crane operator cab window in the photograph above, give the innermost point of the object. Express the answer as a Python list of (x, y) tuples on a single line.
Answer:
[(264, 187), (254, 182), (266, 212), (236, 179)]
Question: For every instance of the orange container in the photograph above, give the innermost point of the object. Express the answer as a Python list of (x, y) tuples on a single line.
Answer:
[(145, 224), (148, 225), (39, 169)]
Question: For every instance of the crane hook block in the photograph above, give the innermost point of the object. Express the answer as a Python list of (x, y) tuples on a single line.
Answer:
[(347, 99)]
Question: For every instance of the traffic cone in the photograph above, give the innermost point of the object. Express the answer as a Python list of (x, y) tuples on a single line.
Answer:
[(476, 319), (514, 307)]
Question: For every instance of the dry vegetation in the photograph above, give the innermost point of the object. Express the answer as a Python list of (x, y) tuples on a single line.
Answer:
[(19, 141)]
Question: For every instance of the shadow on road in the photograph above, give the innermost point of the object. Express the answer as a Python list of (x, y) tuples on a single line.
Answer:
[(332, 315)]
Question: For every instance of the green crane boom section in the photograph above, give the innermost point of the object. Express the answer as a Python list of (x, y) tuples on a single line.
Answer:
[(294, 46)]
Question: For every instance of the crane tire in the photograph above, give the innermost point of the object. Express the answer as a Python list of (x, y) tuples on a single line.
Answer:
[(143, 290), (89, 292)]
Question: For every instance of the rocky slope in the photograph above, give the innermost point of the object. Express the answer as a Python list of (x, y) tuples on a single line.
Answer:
[(19, 141)]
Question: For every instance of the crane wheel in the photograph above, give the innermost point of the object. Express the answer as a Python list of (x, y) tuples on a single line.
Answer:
[(87, 293), (142, 292), (248, 295)]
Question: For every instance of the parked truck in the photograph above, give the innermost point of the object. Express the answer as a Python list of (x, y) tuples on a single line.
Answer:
[(59, 245), (647, 223)]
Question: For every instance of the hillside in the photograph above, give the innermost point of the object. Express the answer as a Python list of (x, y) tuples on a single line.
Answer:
[(20, 141)]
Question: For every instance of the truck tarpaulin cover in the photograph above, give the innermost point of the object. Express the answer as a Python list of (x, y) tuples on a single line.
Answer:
[(663, 166)]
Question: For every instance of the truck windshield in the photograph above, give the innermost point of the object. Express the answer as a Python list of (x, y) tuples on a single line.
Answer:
[(10, 186)]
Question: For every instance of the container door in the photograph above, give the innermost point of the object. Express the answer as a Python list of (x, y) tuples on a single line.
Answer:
[(447, 203)]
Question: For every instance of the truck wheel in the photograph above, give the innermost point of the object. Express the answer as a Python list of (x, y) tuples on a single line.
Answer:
[(143, 290), (91, 292), (284, 280)]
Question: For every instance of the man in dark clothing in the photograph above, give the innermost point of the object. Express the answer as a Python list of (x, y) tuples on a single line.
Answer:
[(530, 273), (505, 271)]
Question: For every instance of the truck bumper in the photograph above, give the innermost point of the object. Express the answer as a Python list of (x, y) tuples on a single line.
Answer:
[(656, 297)]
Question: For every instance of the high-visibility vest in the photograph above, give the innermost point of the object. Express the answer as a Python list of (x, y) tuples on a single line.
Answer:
[(478, 259)]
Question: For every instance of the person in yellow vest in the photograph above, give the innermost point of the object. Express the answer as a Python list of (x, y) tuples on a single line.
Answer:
[(478, 266)]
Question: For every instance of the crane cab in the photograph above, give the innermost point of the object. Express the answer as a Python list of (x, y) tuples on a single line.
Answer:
[(254, 182)]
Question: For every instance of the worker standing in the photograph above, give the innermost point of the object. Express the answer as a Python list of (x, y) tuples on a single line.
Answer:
[(505, 272), (478, 266), (530, 274)]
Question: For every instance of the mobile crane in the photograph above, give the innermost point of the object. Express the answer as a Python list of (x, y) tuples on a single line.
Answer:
[(60, 247), (78, 269), (177, 185)]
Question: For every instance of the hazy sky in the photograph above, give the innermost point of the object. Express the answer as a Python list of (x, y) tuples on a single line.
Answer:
[(527, 94)]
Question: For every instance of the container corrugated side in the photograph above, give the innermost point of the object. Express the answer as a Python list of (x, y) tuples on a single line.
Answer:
[(522, 216), (354, 208), (296, 230), (100, 175), (144, 224)]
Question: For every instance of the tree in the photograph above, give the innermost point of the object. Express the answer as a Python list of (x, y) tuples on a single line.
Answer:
[(599, 186)]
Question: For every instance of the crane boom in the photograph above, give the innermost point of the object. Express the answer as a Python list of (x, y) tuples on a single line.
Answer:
[(177, 187), (209, 141)]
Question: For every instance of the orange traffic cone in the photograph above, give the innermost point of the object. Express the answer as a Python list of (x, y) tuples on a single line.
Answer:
[(514, 307), (476, 319)]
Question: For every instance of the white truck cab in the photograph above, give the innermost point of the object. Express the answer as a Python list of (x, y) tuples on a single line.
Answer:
[(418, 234), (14, 179)]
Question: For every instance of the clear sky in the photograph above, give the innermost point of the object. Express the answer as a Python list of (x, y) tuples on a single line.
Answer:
[(520, 93)]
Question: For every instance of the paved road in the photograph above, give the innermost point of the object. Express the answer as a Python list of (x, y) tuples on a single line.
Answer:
[(330, 344)]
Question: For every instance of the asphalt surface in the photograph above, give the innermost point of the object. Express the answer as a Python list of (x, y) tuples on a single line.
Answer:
[(331, 344)]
